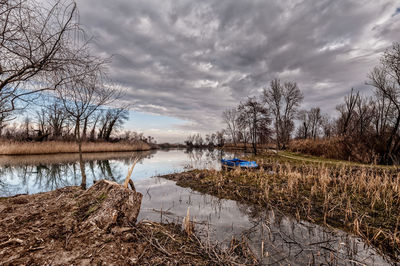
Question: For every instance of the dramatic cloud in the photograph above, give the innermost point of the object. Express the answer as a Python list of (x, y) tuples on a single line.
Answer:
[(193, 59)]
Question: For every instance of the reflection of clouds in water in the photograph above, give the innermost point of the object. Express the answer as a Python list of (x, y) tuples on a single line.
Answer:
[(284, 239), (33, 174)]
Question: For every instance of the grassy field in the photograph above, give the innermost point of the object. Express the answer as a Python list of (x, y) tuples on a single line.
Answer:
[(304, 158), (53, 147), (361, 199)]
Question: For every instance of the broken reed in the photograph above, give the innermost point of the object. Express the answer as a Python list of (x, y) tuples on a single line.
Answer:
[(362, 200)]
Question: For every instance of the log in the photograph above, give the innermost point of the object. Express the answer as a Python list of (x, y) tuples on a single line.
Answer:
[(106, 204)]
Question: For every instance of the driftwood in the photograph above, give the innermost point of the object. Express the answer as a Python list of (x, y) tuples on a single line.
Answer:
[(128, 176)]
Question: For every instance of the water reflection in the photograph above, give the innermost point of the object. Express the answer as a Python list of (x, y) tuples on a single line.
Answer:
[(39, 173), (274, 237)]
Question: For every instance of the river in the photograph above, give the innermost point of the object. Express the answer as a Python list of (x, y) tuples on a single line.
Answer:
[(275, 238)]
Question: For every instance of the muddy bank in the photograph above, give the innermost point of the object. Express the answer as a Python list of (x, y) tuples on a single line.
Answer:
[(72, 226), (339, 200)]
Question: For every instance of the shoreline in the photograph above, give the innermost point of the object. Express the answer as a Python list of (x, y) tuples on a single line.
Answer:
[(312, 193), (98, 225), (64, 147)]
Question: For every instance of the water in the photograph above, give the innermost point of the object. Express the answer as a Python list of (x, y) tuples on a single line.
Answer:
[(275, 238)]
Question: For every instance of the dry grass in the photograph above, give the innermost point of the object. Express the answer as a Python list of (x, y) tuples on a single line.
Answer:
[(334, 148), (53, 147), (362, 200)]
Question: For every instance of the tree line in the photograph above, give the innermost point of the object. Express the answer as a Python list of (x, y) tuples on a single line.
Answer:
[(45, 54), (368, 124), (45, 57)]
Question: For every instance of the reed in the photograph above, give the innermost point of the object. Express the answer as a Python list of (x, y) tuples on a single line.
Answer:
[(364, 201), (53, 147)]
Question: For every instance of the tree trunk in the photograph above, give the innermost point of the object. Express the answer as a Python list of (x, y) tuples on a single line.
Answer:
[(81, 163)]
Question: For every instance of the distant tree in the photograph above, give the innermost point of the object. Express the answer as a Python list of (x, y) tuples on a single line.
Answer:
[(56, 117), (230, 118), (283, 101), (347, 112), (253, 114), (316, 121), (328, 127), (303, 130), (220, 138), (113, 118), (82, 98)]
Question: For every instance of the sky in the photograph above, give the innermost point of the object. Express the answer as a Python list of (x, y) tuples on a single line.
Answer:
[(182, 63)]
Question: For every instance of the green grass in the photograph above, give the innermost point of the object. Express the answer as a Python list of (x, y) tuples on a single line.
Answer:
[(299, 158)]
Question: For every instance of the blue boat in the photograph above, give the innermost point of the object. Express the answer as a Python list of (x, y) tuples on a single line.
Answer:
[(237, 163)]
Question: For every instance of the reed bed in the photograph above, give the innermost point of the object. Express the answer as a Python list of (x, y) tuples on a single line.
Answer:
[(364, 201), (53, 147)]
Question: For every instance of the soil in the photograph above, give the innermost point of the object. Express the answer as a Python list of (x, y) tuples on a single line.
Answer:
[(98, 226)]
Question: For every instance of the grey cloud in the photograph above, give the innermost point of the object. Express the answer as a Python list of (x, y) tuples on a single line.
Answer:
[(194, 59)]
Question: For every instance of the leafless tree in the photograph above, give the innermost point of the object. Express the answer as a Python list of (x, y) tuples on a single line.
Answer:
[(283, 101), (38, 44), (310, 123), (253, 114), (230, 118), (316, 121), (303, 130), (386, 80), (82, 97), (347, 112), (56, 116), (328, 127), (112, 119)]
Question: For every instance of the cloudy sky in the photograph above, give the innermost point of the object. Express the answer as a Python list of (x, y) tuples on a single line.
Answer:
[(183, 62)]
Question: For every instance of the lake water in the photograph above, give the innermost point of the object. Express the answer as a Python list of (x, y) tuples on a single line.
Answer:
[(276, 238)]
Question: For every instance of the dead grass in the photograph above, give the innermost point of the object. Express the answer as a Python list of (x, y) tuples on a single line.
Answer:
[(335, 148), (53, 147), (364, 201), (57, 228)]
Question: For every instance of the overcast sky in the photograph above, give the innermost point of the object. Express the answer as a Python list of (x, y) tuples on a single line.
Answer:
[(183, 62)]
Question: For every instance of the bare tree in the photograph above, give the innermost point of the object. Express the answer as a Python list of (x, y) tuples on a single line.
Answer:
[(328, 127), (38, 44), (303, 130), (82, 98), (386, 80), (113, 118), (253, 114), (56, 116), (283, 101), (316, 121), (230, 118), (347, 112)]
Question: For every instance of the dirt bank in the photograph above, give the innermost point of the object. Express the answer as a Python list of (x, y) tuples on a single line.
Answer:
[(71, 226)]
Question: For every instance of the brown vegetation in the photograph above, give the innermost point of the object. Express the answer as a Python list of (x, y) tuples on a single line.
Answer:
[(97, 226), (360, 200), (53, 147), (334, 148)]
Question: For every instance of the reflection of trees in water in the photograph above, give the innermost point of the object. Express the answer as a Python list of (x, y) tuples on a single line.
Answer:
[(54, 176), (208, 158), (49, 176), (106, 171), (287, 240)]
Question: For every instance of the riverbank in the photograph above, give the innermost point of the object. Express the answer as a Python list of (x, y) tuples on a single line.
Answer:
[(73, 226), (361, 200), (55, 147)]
